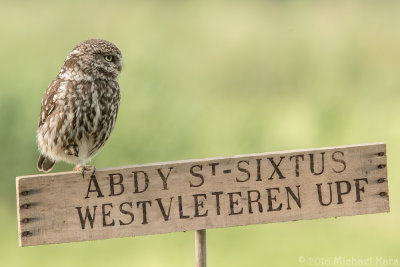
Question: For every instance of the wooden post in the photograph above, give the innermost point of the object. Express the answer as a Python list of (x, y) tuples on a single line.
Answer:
[(200, 248)]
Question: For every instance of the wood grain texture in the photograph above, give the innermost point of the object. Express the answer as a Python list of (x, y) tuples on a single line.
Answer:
[(201, 194)]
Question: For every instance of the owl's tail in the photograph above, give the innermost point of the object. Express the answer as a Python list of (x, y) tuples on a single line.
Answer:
[(45, 164)]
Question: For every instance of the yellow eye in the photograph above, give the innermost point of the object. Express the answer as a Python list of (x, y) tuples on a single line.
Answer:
[(108, 58)]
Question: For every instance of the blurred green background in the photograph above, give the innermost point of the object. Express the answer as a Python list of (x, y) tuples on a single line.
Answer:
[(212, 78)]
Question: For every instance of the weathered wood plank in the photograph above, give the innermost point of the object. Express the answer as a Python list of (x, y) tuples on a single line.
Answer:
[(201, 194)]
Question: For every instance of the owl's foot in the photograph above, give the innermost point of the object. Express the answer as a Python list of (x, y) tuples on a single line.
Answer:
[(83, 168)]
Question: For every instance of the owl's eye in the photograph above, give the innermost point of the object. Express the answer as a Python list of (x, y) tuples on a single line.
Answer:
[(108, 58)]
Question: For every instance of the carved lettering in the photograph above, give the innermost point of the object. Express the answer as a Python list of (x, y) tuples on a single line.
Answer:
[(164, 178), (276, 168), (136, 181), (93, 181), (196, 174)]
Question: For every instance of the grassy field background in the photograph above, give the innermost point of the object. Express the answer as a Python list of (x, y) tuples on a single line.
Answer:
[(212, 78)]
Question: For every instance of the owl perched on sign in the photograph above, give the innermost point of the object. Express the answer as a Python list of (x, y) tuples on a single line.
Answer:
[(80, 106)]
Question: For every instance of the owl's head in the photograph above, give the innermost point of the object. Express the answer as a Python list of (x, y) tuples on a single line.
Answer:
[(94, 58)]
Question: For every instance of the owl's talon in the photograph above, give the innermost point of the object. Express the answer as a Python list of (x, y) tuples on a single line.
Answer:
[(93, 171), (82, 169)]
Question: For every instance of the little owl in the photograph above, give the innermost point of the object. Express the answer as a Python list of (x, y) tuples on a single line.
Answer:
[(80, 106)]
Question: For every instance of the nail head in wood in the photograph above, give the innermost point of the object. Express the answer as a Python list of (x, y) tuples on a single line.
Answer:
[(381, 166), (381, 180), (381, 154), (26, 233), (383, 194)]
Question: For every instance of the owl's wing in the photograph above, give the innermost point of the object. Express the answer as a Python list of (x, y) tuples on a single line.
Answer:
[(48, 102)]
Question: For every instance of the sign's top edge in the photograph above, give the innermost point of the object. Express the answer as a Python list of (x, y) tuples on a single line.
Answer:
[(203, 159)]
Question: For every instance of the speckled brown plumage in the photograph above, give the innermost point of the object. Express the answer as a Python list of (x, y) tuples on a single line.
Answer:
[(80, 106)]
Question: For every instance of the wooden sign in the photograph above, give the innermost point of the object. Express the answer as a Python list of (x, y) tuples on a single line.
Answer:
[(201, 194)]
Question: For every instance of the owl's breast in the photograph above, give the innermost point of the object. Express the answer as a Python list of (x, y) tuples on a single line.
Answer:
[(106, 96), (103, 112)]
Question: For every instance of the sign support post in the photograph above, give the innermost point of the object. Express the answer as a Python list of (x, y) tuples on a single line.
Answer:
[(201, 248)]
